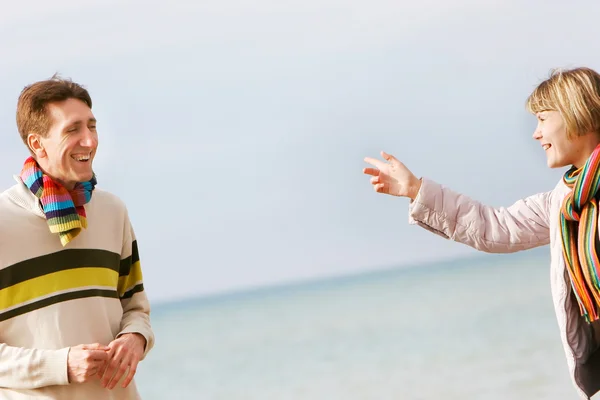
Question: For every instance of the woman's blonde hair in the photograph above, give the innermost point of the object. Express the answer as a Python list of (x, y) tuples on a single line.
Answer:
[(575, 94)]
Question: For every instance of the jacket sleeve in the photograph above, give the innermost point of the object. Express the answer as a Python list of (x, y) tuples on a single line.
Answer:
[(523, 225), (136, 307), (22, 368)]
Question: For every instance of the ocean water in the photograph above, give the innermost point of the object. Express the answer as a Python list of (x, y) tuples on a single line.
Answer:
[(481, 328)]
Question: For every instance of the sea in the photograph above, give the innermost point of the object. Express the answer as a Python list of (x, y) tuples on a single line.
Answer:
[(482, 327)]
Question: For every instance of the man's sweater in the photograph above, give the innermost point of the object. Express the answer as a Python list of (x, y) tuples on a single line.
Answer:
[(54, 297)]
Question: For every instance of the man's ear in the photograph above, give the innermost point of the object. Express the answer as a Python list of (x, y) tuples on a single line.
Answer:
[(34, 142)]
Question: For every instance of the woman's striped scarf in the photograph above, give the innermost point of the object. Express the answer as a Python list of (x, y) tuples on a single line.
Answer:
[(579, 229), (63, 209)]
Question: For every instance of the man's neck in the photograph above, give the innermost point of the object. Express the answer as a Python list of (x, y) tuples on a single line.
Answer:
[(67, 185)]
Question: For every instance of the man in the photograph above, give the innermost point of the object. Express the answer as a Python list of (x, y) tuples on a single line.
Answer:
[(74, 317)]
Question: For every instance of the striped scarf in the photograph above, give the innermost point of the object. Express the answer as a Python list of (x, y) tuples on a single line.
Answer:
[(579, 229), (63, 209)]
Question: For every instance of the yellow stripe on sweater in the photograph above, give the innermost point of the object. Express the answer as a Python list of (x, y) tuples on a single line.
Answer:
[(128, 281), (57, 282)]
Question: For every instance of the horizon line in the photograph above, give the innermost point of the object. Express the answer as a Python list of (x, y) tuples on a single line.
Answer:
[(249, 291)]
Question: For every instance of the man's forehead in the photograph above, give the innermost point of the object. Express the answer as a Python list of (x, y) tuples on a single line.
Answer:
[(70, 111)]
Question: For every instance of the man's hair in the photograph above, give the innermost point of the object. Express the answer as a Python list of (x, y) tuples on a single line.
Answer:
[(32, 112), (575, 94)]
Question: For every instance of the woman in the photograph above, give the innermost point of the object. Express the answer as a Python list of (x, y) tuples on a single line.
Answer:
[(567, 106)]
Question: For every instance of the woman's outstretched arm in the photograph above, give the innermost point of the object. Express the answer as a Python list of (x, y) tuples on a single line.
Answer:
[(523, 225)]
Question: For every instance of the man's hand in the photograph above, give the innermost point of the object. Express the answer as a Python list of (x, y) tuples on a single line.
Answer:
[(125, 353), (84, 361)]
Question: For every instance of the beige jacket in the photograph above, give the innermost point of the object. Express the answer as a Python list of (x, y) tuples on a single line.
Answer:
[(528, 223)]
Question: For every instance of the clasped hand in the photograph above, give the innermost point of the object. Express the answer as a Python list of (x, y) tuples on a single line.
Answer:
[(108, 363)]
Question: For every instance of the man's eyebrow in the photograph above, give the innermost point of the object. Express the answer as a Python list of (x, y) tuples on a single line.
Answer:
[(80, 121)]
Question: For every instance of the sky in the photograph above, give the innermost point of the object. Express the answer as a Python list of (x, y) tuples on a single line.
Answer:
[(235, 131)]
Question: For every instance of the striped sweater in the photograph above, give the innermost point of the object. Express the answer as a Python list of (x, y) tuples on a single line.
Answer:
[(51, 297)]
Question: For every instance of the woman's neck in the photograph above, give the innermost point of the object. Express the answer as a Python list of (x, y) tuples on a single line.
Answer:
[(589, 143)]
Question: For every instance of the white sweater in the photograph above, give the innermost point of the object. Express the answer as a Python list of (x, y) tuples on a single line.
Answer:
[(54, 297)]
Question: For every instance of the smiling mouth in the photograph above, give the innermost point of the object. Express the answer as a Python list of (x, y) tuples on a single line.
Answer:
[(81, 158), (546, 146)]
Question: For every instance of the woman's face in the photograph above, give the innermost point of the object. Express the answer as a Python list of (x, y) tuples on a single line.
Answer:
[(562, 151)]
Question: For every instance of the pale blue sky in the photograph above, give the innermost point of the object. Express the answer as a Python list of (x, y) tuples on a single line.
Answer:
[(236, 130)]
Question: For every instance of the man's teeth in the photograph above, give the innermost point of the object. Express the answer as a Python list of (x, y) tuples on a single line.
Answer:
[(81, 158)]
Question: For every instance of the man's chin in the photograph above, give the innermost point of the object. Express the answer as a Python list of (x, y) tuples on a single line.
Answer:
[(84, 177)]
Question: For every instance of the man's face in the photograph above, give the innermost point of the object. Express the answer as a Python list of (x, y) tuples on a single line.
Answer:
[(67, 151)]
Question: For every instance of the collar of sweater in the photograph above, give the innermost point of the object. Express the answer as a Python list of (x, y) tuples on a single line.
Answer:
[(23, 197)]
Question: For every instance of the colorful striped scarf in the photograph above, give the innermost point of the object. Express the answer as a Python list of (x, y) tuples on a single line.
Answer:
[(63, 208), (579, 228)]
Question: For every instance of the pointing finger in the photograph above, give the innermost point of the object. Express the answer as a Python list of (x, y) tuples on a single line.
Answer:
[(375, 163)]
